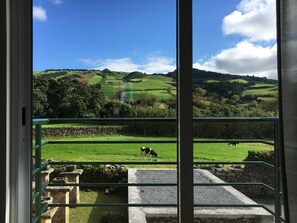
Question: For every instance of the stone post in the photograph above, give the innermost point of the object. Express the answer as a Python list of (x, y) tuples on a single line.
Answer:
[(60, 195), (72, 175), (47, 217), (45, 177)]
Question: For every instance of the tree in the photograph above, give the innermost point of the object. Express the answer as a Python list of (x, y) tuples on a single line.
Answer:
[(40, 101), (144, 99)]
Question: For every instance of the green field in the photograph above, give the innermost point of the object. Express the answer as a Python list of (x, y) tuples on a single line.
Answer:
[(160, 94), (95, 80), (261, 90), (131, 152), (239, 81), (266, 99), (212, 81), (155, 85)]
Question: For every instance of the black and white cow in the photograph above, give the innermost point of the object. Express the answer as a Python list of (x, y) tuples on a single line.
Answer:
[(148, 151), (233, 143)]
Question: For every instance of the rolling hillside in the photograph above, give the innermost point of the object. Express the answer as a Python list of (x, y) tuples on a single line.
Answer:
[(130, 86)]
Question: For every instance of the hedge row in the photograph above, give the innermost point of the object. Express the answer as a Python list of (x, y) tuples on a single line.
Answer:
[(266, 156), (207, 130)]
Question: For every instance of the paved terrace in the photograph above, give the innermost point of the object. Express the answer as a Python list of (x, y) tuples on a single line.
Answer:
[(202, 195)]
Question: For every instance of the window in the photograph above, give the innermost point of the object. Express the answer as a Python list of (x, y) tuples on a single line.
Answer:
[(20, 149)]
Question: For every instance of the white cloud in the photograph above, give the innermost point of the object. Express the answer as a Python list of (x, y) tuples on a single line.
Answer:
[(254, 19), (151, 65), (39, 13), (245, 58), (121, 64), (159, 65)]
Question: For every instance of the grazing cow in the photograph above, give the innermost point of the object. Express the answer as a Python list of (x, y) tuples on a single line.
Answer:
[(232, 143), (149, 151)]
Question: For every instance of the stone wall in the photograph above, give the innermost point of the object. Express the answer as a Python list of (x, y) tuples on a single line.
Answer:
[(201, 220), (206, 130), (89, 130), (95, 174), (250, 173)]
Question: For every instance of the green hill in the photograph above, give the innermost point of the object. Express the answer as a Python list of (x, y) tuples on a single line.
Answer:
[(201, 75), (212, 92)]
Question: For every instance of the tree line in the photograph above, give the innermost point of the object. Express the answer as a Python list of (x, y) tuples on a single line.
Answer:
[(66, 97)]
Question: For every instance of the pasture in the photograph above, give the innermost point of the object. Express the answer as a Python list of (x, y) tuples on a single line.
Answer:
[(160, 94), (261, 90), (129, 152), (212, 81), (155, 85), (95, 79), (239, 81)]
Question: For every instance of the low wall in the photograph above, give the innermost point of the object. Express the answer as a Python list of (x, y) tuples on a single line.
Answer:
[(201, 220), (90, 130), (250, 173), (206, 130)]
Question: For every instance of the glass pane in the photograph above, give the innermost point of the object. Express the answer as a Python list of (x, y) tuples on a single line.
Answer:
[(234, 81), (104, 81)]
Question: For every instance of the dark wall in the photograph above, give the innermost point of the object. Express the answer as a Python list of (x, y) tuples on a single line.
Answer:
[(2, 108)]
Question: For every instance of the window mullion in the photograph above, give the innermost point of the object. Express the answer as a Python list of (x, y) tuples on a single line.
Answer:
[(184, 111)]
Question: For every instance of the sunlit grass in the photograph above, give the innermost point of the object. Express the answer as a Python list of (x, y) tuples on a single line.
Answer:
[(93, 215), (239, 81), (261, 90), (95, 80), (155, 85), (129, 152)]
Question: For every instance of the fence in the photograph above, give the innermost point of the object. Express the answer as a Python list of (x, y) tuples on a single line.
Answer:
[(39, 165)]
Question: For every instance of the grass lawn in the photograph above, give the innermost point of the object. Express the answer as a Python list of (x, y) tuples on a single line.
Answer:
[(131, 152), (93, 215)]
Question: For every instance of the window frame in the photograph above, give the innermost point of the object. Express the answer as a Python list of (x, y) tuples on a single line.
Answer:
[(16, 161), (18, 105)]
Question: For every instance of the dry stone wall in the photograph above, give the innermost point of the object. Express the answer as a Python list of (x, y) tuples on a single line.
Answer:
[(201, 220), (90, 130), (250, 173)]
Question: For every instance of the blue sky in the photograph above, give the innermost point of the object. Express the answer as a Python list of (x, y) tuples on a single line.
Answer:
[(234, 36)]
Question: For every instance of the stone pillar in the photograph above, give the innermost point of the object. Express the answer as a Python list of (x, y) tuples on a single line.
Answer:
[(47, 217), (72, 175), (60, 195), (45, 177)]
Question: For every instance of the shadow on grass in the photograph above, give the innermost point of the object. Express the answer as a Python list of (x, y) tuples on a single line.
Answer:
[(97, 212)]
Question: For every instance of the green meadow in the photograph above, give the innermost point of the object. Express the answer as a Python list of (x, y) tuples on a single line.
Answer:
[(239, 81), (95, 79), (155, 85), (129, 152), (261, 90)]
